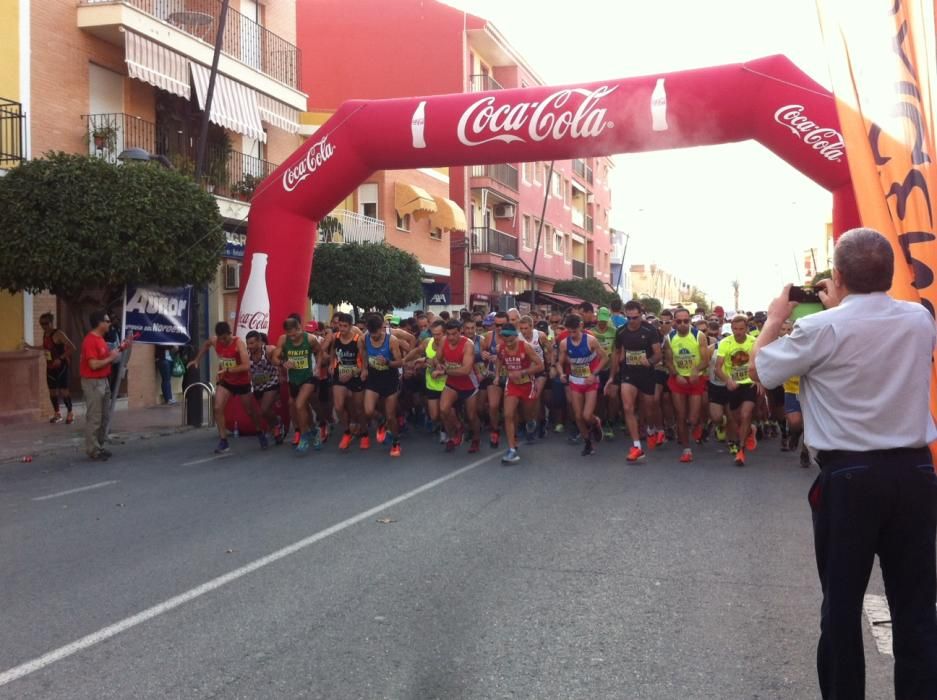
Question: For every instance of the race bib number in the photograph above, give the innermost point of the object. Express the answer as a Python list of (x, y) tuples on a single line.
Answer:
[(635, 357), (580, 371), (684, 362), (739, 374), (347, 370), (378, 362), (300, 362), (481, 369), (523, 380), (226, 363), (261, 379), (453, 365)]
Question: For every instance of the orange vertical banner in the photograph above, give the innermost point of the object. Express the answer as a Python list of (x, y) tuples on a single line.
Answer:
[(883, 65)]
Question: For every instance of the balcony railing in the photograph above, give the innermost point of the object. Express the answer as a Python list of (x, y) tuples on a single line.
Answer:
[(12, 123), (484, 83), (590, 224), (244, 39), (579, 167), (227, 172), (579, 268), (490, 240), (345, 226), (501, 172)]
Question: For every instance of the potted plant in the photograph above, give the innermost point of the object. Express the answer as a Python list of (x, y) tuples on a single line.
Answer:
[(104, 137), (244, 188)]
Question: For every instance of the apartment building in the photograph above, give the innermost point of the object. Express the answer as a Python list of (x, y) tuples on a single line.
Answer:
[(491, 261), (121, 78)]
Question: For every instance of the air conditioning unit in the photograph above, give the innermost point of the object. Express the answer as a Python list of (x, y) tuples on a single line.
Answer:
[(505, 211)]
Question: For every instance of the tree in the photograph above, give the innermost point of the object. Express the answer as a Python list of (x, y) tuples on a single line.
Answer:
[(75, 223), (651, 304), (589, 289), (365, 275), (698, 298)]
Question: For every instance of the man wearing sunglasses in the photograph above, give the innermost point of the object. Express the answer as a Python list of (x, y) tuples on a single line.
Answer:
[(637, 350), (687, 358), (95, 370)]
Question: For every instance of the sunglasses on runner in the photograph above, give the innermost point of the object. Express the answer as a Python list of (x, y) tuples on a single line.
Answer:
[(682, 323)]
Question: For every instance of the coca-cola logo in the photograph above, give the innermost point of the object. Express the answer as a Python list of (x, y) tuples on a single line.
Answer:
[(315, 158), (256, 321), (829, 142), (484, 122)]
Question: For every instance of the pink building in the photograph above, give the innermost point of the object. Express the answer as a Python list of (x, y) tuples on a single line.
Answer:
[(461, 52)]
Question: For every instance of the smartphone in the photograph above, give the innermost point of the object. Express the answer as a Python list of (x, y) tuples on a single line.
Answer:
[(803, 295)]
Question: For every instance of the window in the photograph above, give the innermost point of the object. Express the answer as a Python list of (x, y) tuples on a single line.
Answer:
[(367, 200), (557, 185), (403, 222), (536, 169), (558, 241), (528, 172), (435, 233), (566, 191), (545, 237), (232, 274), (526, 237)]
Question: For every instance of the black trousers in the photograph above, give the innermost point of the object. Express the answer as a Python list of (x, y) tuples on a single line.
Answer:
[(867, 503)]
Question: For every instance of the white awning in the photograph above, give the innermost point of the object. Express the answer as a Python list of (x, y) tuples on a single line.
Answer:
[(278, 114), (157, 65), (233, 106)]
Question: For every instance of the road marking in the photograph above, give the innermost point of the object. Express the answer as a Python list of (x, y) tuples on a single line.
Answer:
[(99, 485), (879, 616), (207, 459), (101, 635)]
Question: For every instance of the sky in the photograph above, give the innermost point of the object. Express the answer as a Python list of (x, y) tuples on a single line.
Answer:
[(760, 234)]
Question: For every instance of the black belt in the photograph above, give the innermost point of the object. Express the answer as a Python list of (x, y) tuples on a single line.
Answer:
[(830, 455)]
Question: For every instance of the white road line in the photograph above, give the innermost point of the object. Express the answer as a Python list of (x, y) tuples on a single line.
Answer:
[(101, 635), (99, 485), (879, 616), (207, 459)]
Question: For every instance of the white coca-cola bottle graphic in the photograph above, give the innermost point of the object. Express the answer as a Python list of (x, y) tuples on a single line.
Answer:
[(659, 107), (417, 125), (254, 314)]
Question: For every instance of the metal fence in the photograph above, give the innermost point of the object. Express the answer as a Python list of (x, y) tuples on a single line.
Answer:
[(501, 172), (484, 83), (345, 226), (244, 39), (12, 128)]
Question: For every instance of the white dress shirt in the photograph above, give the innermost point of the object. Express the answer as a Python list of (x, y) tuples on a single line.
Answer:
[(865, 373)]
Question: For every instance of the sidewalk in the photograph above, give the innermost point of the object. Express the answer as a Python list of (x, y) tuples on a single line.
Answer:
[(36, 439)]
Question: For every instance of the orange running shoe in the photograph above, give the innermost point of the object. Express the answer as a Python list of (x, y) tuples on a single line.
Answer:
[(382, 434), (473, 447), (698, 434), (395, 450), (296, 437), (687, 456), (345, 442), (365, 443), (751, 442), (636, 454), (740, 458)]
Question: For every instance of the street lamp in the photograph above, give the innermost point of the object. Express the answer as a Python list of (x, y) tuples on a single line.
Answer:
[(533, 283)]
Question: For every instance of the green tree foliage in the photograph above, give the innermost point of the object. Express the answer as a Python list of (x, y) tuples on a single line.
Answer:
[(589, 289), (651, 304), (822, 275), (365, 275), (698, 298), (73, 223)]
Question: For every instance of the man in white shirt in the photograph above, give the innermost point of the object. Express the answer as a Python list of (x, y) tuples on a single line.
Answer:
[(866, 406)]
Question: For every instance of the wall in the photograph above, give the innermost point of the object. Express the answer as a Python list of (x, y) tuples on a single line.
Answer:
[(11, 320), (9, 49)]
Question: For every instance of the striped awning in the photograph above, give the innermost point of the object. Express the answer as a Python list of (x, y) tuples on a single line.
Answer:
[(233, 105), (278, 114), (157, 65), (448, 215), (413, 200)]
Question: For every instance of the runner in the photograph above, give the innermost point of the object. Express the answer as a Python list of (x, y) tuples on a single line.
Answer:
[(58, 350), (490, 345), (637, 350), (663, 413), (605, 332), (521, 364), (732, 367), (470, 331), (457, 365), (687, 357), (537, 340), (584, 355), (723, 423), (233, 379), (265, 382), (381, 377), (423, 358), (300, 353), (347, 387)]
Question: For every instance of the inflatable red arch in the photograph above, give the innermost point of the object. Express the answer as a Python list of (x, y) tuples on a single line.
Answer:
[(769, 100)]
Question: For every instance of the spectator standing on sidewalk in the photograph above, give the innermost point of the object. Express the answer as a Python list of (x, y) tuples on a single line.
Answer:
[(866, 408), (165, 358), (95, 368)]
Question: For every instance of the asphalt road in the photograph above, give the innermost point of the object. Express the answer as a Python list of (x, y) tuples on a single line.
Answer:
[(559, 577)]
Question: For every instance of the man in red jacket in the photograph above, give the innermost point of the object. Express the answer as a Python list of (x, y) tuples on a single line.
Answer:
[(95, 370)]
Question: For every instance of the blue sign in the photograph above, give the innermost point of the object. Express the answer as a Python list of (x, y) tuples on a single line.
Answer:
[(159, 314), (437, 294), (234, 244)]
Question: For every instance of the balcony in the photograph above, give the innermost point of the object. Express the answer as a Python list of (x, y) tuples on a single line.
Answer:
[(493, 241), (251, 54), (501, 173), (579, 168), (343, 226), (12, 124), (590, 224), (483, 83), (228, 173), (579, 268)]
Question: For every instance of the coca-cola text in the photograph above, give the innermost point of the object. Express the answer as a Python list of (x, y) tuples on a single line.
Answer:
[(257, 321), (829, 142), (315, 158), (483, 122)]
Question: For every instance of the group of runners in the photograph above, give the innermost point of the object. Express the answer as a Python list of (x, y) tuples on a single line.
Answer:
[(510, 377)]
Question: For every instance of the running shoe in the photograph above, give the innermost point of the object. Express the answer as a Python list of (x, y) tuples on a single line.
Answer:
[(733, 448), (698, 434), (720, 433), (751, 442), (382, 433), (473, 448), (395, 450), (345, 442), (559, 428), (57, 418), (222, 447), (443, 438), (531, 429), (302, 447), (450, 446), (279, 434), (661, 437), (324, 432), (636, 454), (804, 457), (365, 443), (511, 457), (608, 432), (651, 440), (296, 437), (686, 457), (494, 439), (588, 449), (70, 418), (595, 432), (740, 458), (457, 440), (262, 439)]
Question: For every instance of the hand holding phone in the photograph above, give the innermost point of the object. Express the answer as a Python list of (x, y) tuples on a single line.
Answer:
[(803, 295)]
